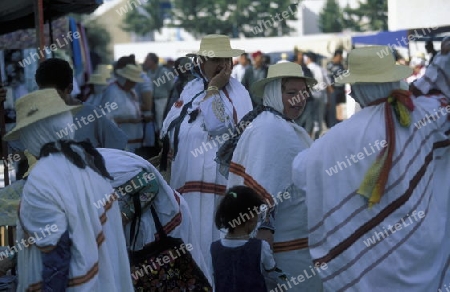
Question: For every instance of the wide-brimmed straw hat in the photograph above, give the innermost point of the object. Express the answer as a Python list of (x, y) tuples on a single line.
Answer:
[(278, 71), (98, 79), (374, 64), (216, 46), (37, 106), (131, 72), (105, 70)]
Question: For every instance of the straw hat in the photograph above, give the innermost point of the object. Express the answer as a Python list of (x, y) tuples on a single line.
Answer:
[(131, 72), (278, 71), (97, 79), (372, 65), (104, 70), (216, 46), (37, 106)]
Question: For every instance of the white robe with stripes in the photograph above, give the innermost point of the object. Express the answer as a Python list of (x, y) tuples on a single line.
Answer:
[(170, 207), (194, 170), (59, 193), (361, 250), (262, 160)]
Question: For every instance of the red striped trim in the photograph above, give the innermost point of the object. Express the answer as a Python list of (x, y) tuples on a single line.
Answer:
[(202, 187), (175, 222), (77, 281), (290, 245), (249, 181), (36, 287), (391, 208)]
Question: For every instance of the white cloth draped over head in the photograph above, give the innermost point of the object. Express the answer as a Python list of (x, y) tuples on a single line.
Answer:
[(365, 93), (356, 242), (437, 76), (61, 196), (272, 95), (36, 135), (123, 166)]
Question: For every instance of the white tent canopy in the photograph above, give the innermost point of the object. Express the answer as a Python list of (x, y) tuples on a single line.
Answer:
[(323, 44)]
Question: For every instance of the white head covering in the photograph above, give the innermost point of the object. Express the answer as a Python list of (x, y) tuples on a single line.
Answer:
[(272, 95), (36, 135), (365, 93)]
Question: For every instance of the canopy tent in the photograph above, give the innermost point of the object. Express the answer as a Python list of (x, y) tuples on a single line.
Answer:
[(382, 38), (20, 14)]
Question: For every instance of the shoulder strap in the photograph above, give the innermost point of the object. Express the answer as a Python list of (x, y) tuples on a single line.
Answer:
[(225, 152), (159, 227), (176, 123)]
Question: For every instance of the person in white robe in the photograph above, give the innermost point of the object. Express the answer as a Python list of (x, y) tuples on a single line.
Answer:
[(97, 83), (262, 160), (64, 242), (127, 114), (214, 104), (377, 211), (171, 208)]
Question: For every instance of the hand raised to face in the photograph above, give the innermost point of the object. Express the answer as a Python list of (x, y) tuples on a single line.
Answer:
[(222, 77)]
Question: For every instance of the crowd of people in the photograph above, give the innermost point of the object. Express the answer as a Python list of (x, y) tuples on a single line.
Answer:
[(258, 196)]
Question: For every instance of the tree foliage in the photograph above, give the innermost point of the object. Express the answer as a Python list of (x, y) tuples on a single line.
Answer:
[(98, 39), (242, 17), (370, 15), (144, 18), (331, 17)]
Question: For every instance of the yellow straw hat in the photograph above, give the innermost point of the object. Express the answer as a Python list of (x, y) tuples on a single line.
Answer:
[(104, 70), (131, 72), (37, 106), (278, 71), (374, 64), (97, 79), (216, 46)]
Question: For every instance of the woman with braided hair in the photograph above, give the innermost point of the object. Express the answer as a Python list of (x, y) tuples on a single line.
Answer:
[(65, 241)]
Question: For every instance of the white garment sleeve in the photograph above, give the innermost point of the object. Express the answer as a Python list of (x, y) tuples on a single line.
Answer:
[(267, 259), (217, 119), (41, 213)]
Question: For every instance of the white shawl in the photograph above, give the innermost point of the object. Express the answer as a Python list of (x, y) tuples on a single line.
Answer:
[(343, 231), (170, 206)]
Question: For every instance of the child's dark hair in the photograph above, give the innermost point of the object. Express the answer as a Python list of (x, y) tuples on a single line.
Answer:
[(54, 72), (238, 200)]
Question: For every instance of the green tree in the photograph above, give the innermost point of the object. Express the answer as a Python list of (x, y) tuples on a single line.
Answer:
[(370, 15), (331, 17), (99, 39), (248, 17), (143, 19)]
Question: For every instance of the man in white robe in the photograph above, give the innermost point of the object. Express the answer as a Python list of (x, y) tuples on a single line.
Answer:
[(218, 103), (376, 214)]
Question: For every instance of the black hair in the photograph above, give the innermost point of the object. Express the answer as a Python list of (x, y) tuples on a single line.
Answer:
[(54, 72), (153, 57), (238, 200), (124, 61), (312, 56), (338, 52)]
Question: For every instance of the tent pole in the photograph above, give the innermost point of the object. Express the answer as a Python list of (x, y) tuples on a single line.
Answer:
[(39, 25)]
